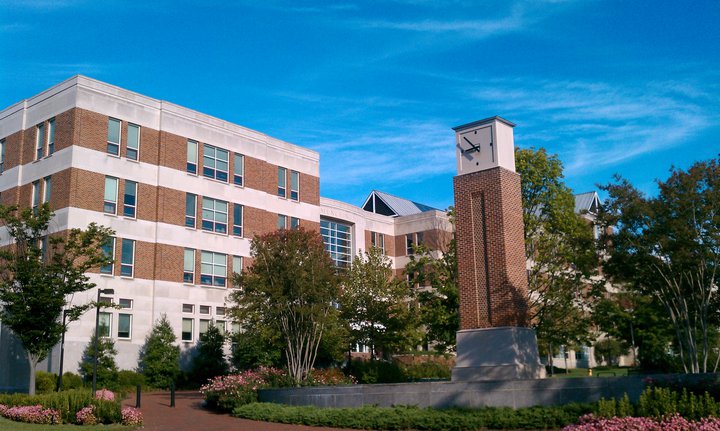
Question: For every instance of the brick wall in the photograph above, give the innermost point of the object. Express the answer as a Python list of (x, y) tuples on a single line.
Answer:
[(491, 249)]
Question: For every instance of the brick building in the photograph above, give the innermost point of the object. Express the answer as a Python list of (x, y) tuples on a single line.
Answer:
[(185, 194)]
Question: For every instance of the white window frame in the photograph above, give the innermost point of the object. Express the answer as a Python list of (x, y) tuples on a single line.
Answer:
[(133, 146), (216, 262), (294, 223), (221, 325), (47, 189), (51, 137), (131, 265), (39, 141), (237, 264), (220, 311), (112, 257), (185, 268), (192, 165), (111, 143), (117, 330), (377, 240), (213, 172), (282, 182), (203, 322), (125, 195), (237, 228), (107, 201), (129, 302), (2, 156), (192, 330), (282, 222), (213, 209), (190, 306), (109, 326), (36, 196), (239, 170), (295, 188), (409, 243), (192, 217), (207, 307)]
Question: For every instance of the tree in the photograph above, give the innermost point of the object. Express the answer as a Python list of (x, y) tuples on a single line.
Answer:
[(290, 289), (560, 251), (209, 360), (159, 358), (107, 370), (609, 350), (668, 247), (39, 272), (440, 305), (378, 308)]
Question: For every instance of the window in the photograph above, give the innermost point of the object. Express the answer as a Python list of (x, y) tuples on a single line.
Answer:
[(213, 269), (282, 221), (189, 266), (124, 325), (188, 308), (187, 330), (39, 141), (294, 223), (236, 268), (282, 181), (108, 249), (130, 200), (2, 155), (47, 189), (133, 142), (204, 309), (237, 219), (215, 163), (235, 327), (113, 139), (125, 303), (239, 169), (214, 215), (127, 258), (104, 324), (294, 185), (338, 241), (220, 324), (220, 311), (192, 157), (409, 243), (111, 193), (190, 209), (377, 240), (51, 136), (420, 238), (203, 327), (35, 196)]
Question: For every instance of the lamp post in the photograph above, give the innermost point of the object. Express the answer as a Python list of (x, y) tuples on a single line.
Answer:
[(58, 386), (97, 335)]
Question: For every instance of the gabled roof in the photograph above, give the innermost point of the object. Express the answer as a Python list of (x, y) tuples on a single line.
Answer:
[(386, 204), (587, 202)]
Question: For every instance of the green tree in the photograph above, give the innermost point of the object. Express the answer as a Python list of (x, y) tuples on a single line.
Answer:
[(560, 251), (609, 350), (107, 370), (255, 347), (378, 308), (209, 360), (159, 358), (39, 272), (289, 289), (668, 247)]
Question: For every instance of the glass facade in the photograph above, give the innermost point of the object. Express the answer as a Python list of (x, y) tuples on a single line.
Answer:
[(337, 237)]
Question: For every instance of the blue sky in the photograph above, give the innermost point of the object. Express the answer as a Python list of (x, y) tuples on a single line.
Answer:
[(628, 87)]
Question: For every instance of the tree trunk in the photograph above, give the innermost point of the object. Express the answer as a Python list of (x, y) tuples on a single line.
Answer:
[(32, 361)]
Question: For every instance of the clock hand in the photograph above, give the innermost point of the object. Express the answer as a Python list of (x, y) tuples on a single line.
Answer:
[(474, 147)]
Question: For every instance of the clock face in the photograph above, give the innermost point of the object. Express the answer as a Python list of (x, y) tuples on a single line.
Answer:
[(476, 149)]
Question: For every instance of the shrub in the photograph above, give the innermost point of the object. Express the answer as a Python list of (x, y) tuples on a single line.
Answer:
[(377, 372), (32, 414), (325, 377), (227, 392), (71, 381), (68, 404), (210, 360), (104, 394), (86, 416), (132, 416), (128, 379), (160, 357), (426, 370), (106, 367), (45, 382)]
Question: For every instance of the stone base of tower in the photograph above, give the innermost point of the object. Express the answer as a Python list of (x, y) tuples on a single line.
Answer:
[(505, 353)]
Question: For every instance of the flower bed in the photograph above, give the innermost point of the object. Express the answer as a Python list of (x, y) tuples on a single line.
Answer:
[(31, 414), (132, 416), (667, 423)]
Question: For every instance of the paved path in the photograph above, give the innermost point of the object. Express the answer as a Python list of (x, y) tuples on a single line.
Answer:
[(189, 415)]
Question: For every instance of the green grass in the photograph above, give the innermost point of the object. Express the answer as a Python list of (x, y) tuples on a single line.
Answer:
[(8, 425)]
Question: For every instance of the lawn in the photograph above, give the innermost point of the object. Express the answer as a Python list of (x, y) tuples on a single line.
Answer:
[(8, 425)]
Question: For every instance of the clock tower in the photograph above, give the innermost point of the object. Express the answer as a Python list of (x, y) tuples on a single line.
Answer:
[(494, 341)]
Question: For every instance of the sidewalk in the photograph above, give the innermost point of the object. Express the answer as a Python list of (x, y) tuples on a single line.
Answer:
[(189, 415)]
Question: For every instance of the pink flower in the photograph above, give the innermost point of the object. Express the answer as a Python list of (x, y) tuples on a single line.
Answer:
[(104, 394)]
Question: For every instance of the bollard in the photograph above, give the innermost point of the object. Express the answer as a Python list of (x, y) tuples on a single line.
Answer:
[(172, 394), (137, 398)]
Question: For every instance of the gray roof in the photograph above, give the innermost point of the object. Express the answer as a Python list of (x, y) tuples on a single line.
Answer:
[(587, 202), (399, 206)]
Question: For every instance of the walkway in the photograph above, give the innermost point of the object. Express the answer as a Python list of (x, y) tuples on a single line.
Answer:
[(189, 415)]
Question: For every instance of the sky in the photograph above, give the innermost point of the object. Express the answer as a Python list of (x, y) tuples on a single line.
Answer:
[(626, 87)]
